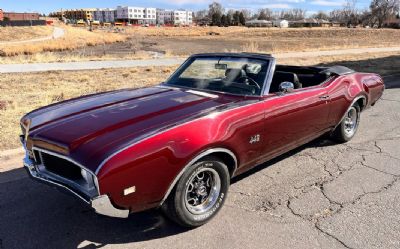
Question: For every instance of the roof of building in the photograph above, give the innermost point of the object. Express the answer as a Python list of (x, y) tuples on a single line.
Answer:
[(312, 20), (258, 22)]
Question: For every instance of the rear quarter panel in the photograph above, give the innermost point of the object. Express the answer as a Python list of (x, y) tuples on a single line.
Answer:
[(374, 86), (345, 89)]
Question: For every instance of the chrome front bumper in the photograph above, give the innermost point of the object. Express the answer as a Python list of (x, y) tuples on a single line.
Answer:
[(101, 204)]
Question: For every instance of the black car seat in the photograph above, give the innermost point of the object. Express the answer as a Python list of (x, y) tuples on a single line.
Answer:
[(234, 74), (280, 77)]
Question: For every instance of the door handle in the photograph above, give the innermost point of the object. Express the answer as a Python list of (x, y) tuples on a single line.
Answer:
[(325, 97)]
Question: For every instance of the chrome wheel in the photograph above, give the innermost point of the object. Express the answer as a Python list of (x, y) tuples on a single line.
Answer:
[(351, 122), (202, 191)]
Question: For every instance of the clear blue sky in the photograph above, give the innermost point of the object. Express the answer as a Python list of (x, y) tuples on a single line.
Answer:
[(46, 6)]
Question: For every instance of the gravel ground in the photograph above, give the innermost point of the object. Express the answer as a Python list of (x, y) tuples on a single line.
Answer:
[(322, 195)]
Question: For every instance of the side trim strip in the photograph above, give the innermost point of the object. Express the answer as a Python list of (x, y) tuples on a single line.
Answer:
[(204, 94), (198, 157), (150, 135)]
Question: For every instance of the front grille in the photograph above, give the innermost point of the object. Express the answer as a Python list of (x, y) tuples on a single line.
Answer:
[(61, 167)]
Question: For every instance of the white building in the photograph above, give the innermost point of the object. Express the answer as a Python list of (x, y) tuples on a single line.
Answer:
[(104, 15), (174, 17), (281, 23), (136, 15)]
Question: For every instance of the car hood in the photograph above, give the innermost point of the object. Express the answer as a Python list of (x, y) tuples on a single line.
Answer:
[(90, 128)]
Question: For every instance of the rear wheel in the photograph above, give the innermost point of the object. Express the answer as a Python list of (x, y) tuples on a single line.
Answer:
[(347, 129), (199, 194)]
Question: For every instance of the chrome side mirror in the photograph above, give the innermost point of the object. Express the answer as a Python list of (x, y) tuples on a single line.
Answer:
[(286, 87)]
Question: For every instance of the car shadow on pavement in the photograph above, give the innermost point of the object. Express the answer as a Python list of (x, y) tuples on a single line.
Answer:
[(37, 216), (322, 141)]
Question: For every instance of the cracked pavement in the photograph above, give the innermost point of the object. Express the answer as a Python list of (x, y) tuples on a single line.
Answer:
[(322, 195)]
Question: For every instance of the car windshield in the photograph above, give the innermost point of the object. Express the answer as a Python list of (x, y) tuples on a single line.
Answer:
[(243, 76)]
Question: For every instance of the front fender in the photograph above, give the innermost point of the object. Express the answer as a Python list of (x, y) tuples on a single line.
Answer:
[(153, 165)]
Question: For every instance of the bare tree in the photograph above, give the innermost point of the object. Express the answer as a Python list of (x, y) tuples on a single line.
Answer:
[(321, 15), (298, 14), (215, 8), (351, 12), (366, 18), (201, 14), (215, 11), (265, 14), (291, 14), (382, 10), (246, 13), (348, 15)]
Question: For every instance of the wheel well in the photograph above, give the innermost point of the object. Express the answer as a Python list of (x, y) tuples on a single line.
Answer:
[(226, 156), (227, 159), (362, 102)]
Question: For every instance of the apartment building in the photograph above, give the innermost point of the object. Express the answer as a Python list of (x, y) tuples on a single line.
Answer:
[(78, 14), (105, 15), (174, 17), (136, 15)]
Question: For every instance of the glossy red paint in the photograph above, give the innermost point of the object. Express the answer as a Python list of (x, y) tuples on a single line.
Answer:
[(146, 137), (283, 122), (93, 128)]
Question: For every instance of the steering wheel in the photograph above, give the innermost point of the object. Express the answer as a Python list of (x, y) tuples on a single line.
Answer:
[(250, 81)]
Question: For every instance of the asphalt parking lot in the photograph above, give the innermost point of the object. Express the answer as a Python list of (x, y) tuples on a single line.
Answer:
[(322, 195)]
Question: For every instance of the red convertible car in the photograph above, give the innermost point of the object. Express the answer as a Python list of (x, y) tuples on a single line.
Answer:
[(176, 146)]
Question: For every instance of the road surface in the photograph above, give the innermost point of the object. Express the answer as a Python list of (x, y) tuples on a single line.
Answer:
[(57, 33), (91, 65), (323, 195)]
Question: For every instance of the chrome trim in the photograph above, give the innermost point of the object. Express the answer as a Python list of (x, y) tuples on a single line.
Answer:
[(348, 109), (27, 128), (269, 77), (62, 157), (33, 172), (197, 158), (72, 161), (203, 94), (102, 205)]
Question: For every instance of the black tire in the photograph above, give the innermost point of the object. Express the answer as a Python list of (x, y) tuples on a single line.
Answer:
[(341, 134), (177, 207)]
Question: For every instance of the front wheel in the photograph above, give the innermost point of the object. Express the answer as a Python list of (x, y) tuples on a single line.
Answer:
[(347, 129), (199, 194)]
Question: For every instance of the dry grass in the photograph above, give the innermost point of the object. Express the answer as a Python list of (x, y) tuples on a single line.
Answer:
[(185, 41), (24, 33), (381, 63), (250, 47), (74, 38), (49, 57), (21, 93)]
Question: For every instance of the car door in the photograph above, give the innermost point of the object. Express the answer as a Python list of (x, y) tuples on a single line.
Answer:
[(292, 119)]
